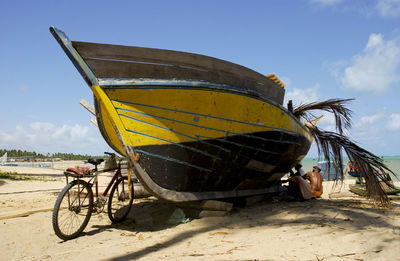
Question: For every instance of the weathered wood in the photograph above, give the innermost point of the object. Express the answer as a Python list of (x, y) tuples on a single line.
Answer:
[(163, 57), (91, 109), (88, 106), (94, 121), (115, 61), (140, 192)]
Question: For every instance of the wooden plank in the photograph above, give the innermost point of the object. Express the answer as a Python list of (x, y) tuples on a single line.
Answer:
[(94, 121), (140, 192), (116, 69), (88, 106), (166, 57), (115, 61)]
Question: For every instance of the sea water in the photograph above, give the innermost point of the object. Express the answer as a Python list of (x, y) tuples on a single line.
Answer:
[(35, 165), (392, 162)]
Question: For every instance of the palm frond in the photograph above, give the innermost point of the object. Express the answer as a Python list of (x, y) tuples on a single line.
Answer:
[(335, 106), (370, 166), (331, 146)]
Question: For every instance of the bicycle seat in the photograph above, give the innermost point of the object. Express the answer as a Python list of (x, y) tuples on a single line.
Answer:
[(95, 161), (80, 171)]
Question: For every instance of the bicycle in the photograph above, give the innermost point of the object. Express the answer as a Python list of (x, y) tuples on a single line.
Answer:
[(76, 203)]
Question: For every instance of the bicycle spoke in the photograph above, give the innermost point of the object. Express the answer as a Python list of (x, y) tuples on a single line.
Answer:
[(72, 210), (120, 202)]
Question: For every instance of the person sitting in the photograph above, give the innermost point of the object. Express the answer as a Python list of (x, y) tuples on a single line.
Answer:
[(299, 171), (354, 172), (298, 187), (315, 179)]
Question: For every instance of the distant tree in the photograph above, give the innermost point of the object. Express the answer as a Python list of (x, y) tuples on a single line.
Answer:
[(63, 156)]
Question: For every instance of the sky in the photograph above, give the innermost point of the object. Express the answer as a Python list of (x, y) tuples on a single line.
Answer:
[(321, 49)]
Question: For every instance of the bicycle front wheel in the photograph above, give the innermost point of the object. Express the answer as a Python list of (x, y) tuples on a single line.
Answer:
[(120, 200), (72, 210)]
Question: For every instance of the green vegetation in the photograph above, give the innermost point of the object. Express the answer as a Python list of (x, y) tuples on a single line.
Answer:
[(16, 176), (63, 156)]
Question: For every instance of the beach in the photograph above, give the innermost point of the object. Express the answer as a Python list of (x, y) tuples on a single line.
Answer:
[(338, 226)]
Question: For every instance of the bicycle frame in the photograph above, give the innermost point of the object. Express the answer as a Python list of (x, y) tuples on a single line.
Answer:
[(83, 201), (117, 174), (95, 175)]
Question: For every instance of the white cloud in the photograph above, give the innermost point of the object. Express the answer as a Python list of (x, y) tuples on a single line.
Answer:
[(373, 129), (375, 69), (327, 122), (394, 122), (304, 96), (368, 130), (367, 136), (301, 96), (388, 8), (44, 137), (384, 8), (367, 121)]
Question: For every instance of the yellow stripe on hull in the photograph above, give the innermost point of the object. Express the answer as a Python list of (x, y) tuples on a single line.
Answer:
[(160, 116)]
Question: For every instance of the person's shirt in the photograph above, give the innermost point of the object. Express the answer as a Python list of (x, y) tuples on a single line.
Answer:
[(301, 173)]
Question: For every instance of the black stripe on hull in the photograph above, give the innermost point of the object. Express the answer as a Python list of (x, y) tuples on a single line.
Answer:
[(238, 161)]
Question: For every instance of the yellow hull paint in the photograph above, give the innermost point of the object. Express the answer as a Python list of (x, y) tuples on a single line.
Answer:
[(162, 116)]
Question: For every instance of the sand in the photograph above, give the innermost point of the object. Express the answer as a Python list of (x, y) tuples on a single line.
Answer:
[(339, 226)]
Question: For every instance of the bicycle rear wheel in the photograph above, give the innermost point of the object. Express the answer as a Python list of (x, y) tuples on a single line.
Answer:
[(120, 200), (72, 210)]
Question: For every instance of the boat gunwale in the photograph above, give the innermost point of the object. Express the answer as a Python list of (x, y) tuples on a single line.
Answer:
[(74, 56), (255, 82), (105, 52)]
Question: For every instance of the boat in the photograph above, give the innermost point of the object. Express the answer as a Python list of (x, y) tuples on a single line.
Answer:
[(387, 185), (361, 190), (3, 159), (352, 171), (193, 127)]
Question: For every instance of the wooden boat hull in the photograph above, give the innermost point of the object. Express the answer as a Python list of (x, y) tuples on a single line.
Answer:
[(197, 140), (361, 190), (193, 139)]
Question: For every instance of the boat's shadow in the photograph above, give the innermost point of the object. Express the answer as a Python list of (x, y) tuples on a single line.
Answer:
[(145, 215), (349, 214)]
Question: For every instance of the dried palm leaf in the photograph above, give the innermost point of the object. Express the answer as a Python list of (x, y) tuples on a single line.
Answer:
[(335, 106), (331, 145)]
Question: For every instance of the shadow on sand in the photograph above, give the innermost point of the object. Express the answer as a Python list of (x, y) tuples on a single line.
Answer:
[(346, 214)]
